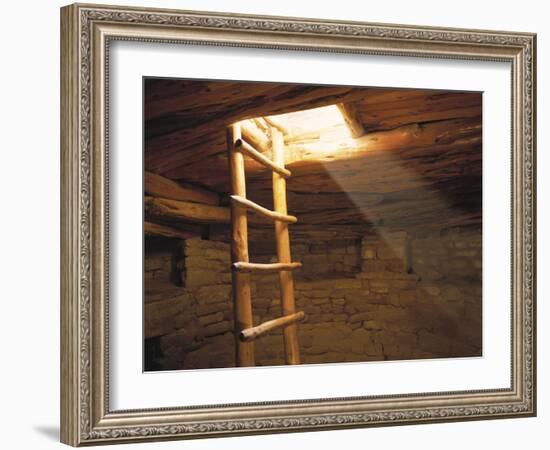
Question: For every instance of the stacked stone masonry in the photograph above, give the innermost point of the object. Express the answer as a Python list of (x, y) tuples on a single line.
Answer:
[(388, 296)]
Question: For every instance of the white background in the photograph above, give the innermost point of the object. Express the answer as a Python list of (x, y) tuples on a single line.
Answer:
[(29, 321), (133, 389)]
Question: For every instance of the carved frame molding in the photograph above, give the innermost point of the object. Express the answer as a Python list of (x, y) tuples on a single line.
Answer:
[(86, 32)]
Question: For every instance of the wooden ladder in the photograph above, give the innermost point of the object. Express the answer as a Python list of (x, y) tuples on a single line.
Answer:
[(245, 331)]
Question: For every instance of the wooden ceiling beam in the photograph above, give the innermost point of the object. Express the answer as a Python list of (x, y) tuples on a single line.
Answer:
[(165, 209), (187, 211), (402, 142), (155, 229), (159, 186)]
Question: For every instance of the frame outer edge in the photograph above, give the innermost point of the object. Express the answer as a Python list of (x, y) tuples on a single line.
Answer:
[(533, 235), (79, 227), (70, 298)]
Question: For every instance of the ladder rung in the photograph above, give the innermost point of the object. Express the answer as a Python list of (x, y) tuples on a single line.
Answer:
[(257, 331), (245, 147), (256, 267), (264, 211)]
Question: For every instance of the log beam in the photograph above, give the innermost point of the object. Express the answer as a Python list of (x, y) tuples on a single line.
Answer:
[(159, 186), (175, 210), (404, 143), (155, 229), (189, 211)]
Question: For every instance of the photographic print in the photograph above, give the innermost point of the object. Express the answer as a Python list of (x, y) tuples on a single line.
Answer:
[(307, 224), (278, 224)]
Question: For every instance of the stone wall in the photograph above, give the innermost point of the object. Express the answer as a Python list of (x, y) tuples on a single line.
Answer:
[(388, 296)]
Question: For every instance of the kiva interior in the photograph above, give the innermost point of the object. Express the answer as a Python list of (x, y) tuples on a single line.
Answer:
[(302, 224)]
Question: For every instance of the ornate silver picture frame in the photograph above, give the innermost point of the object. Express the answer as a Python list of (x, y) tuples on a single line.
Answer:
[(87, 33)]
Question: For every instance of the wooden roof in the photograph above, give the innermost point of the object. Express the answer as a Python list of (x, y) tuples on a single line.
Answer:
[(417, 164)]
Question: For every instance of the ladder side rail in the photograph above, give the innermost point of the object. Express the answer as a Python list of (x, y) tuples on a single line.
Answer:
[(242, 301), (286, 279)]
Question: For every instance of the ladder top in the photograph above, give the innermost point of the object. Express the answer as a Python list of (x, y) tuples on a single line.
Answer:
[(245, 147)]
